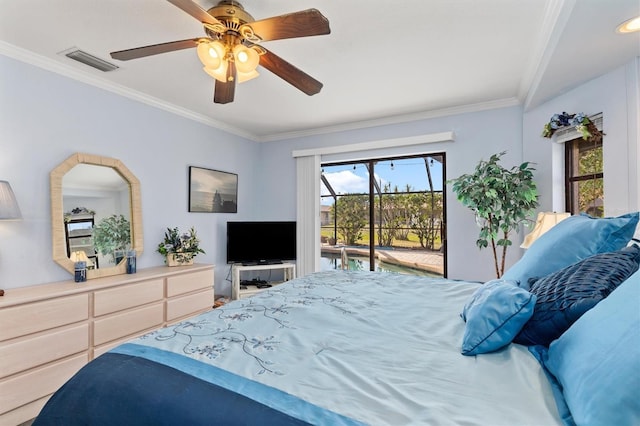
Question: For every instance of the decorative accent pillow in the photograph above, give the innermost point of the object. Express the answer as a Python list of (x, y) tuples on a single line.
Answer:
[(597, 361), (570, 241), (495, 314), (564, 296)]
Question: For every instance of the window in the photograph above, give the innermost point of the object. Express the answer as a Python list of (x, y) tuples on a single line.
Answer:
[(387, 214), (584, 177)]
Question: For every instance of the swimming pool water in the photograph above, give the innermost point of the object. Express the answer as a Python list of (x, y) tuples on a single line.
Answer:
[(330, 262)]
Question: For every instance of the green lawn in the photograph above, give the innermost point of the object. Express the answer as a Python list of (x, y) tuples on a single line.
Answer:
[(412, 243)]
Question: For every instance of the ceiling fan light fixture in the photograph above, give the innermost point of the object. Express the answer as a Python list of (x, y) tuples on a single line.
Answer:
[(246, 76), (230, 51), (629, 26), (211, 54), (219, 73), (246, 59)]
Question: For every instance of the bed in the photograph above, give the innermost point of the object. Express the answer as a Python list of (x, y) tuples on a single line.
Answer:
[(351, 348)]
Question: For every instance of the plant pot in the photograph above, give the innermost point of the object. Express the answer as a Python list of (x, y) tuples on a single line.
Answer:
[(172, 261), (118, 255)]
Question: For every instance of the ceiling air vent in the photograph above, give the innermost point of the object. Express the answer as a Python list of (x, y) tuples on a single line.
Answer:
[(88, 59)]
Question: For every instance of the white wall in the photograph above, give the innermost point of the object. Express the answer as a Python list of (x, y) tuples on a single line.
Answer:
[(478, 135), (615, 94), (45, 117)]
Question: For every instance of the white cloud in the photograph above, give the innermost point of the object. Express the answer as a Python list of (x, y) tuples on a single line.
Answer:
[(345, 182)]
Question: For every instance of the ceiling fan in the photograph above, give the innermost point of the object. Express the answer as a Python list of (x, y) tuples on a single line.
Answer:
[(231, 51)]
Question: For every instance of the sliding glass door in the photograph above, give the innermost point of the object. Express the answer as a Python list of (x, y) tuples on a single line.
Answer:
[(385, 214)]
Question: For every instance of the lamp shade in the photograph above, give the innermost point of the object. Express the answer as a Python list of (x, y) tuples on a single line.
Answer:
[(9, 209), (79, 256), (211, 54), (246, 59), (219, 73), (544, 222), (246, 76)]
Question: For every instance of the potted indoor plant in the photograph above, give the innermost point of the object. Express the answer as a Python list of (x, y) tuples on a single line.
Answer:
[(502, 200), (179, 249), (112, 236)]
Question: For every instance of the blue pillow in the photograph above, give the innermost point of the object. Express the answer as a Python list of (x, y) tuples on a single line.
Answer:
[(570, 241), (565, 295), (597, 361), (495, 314)]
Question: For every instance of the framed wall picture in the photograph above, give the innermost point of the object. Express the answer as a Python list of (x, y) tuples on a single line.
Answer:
[(212, 191)]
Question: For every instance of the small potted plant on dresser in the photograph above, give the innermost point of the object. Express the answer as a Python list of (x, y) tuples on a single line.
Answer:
[(179, 249)]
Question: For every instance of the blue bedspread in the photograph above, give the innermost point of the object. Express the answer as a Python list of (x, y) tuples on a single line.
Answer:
[(117, 389), (330, 348)]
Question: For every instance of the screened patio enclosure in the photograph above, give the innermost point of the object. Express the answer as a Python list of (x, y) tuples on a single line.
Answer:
[(385, 214)]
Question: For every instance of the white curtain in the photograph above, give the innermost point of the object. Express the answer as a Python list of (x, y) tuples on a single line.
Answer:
[(308, 214)]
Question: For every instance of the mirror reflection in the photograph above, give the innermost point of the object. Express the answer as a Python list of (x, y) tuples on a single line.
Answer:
[(97, 215)]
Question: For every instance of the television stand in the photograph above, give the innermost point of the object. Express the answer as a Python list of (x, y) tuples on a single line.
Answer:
[(263, 262), (237, 283)]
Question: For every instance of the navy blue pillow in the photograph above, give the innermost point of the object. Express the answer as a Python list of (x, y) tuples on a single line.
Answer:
[(562, 297)]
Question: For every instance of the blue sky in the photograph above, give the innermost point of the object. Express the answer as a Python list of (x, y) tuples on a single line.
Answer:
[(412, 171)]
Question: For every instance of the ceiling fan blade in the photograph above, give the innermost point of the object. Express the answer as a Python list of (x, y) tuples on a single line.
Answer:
[(225, 92), (196, 11), (305, 23), (289, 73), (154, 49)]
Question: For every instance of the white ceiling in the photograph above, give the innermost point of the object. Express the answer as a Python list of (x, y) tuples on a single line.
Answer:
[(383, 62)]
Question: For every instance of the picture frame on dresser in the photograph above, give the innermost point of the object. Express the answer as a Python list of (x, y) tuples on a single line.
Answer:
[(212, 191)]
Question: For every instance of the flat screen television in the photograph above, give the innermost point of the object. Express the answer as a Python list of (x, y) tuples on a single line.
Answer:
[(254, 243)]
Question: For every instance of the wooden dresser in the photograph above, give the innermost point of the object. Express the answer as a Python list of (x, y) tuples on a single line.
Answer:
[(49, 331)]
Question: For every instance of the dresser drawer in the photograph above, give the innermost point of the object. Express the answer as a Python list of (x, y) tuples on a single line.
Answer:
[(23, 413), (121, 298), (33, 317), (124, 324), (29, 353), (41, 382), (190, 304), (187, 283)]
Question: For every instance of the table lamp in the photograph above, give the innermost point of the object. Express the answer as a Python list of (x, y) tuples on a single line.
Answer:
[(544, 222)]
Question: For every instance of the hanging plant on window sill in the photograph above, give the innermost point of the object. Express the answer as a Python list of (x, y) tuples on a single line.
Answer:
[(581, 122)]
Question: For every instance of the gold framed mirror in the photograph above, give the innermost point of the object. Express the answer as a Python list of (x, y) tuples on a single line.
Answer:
[(93, 177)]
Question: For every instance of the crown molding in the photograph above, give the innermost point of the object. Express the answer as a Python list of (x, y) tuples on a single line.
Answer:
[(542, 49), (52, 65), (557, 14), (379, 144), (57, 67), (396, 119)]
